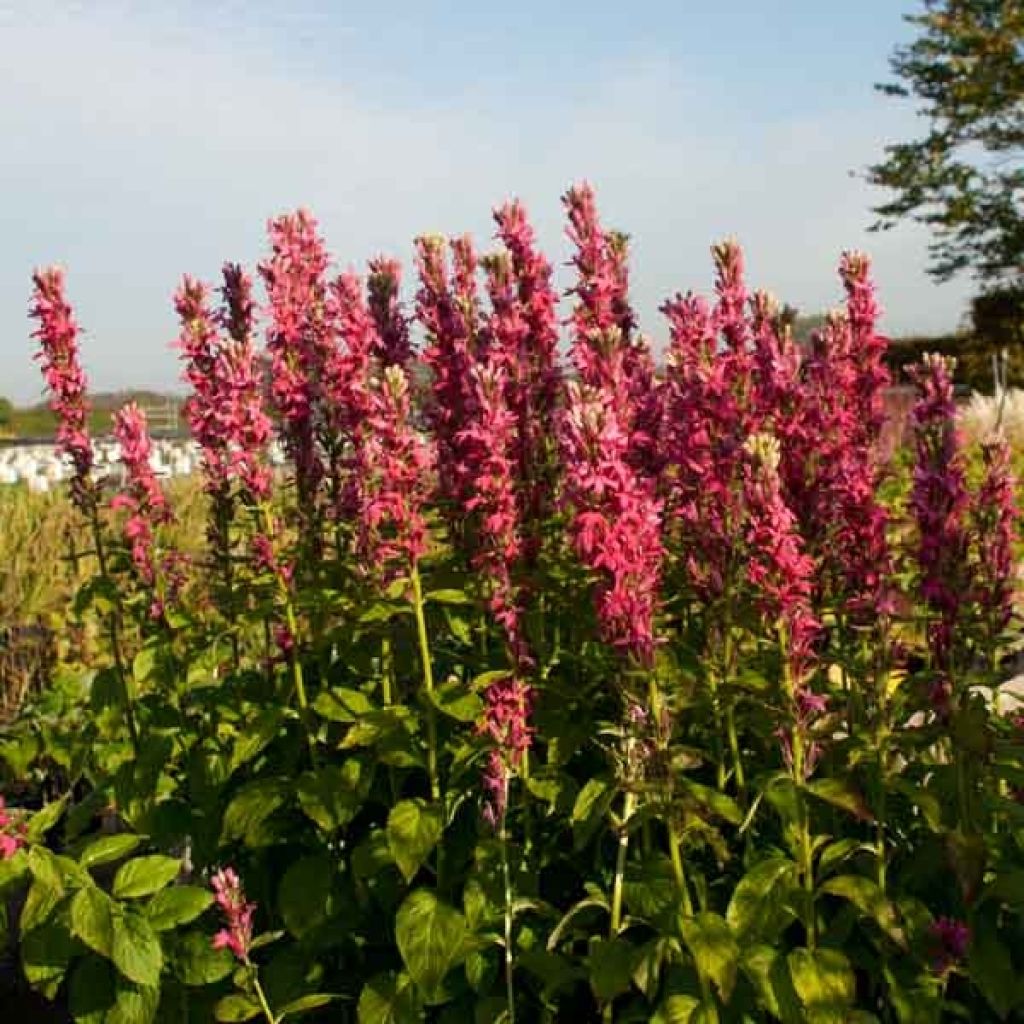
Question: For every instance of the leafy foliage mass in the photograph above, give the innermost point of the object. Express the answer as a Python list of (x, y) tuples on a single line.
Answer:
[(528, 692)]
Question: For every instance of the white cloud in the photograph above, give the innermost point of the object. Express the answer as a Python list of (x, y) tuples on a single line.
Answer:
[(143, 149)]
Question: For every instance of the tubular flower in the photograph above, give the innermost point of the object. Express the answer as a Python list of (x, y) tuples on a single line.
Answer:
[(396, 465), (449, 354), (57, 335), (993, 517), (143, 497), (225, 408), (529, 350), (239, 308), (507, 724), (939, 502), (394, 347), (13, 832), (616, 525), (490, 450), (298, 339), (238, 914)]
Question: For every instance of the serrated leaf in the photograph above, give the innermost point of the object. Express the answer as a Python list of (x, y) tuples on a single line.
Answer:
[(143, 876), (413, 830), (304, 1003), (866, 896), (250, 807), (196, 962), (343, 704), (387, 999), (610, 967), (257, 735), (676, 1009), (236, 1007), (177, 905), (333, 795), (136, 949), (107, 849), (822, 978), (842, 794), (455, 700), (592, 804), (305, 896), (448, 595), (432, 938), (42, 821), (753, 890), (714, 949), (92, 919), (91, 991)]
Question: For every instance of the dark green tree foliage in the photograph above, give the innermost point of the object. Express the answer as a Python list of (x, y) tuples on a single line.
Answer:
[(965, 177)]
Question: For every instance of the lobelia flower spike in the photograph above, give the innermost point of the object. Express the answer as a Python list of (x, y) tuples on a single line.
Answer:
[(395, 481), (57, 335), (238, 914), (994, 534), (384, 282), (142, 497), (939, 502), (298, 342), (951, 940), (507, 724), (449, 354)]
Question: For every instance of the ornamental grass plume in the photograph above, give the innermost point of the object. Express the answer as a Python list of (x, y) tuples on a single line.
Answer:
[(238, 914), (143, 498), (384, 282), (396, 469), (939, 503), (57, 335)]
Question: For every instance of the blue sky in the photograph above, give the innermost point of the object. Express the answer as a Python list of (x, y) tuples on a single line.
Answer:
[(145, 140)]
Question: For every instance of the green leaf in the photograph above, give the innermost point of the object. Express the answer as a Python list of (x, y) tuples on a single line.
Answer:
[(447, 596), (92, 919), (842, 794), (91, 991), (414, 828), (676, 1009), (611, 967), (432, 938), (196, 962), (992, 970), (720, 804), (755, 888), (133, 1004), (332, 796), (866, 896), (823, 978), (768, 972), (305, 897), (136, 949), (236, 1008), (45, 954), (304, 1003), (42, 821), (107, 849), (250, 808), (457, 701), (40, 903), (387, 999), (341, 704), (178, 905), (256, 736), (144, 876), (592, 804), (714, 949)]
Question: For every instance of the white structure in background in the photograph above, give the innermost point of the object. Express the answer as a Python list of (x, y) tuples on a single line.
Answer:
[(40, 468)]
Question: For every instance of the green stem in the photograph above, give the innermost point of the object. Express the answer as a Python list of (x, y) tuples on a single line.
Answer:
[(680, 872), (428, 682), (264, 1005), (628, 809), (734, 748), (509, 960)]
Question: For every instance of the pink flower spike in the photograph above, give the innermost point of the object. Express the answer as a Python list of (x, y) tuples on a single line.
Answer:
[(229, 896)]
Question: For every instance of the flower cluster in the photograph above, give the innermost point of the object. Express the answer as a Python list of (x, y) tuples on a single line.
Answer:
[(142, 498), (939, 502), (57, 335), (396, 464), (951, 940), (506, 724), (994, 517), (394, 346), (238, 914), (13, 832)]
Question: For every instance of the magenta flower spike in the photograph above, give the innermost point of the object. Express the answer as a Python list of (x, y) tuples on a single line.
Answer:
[(994, 515), (238, 914), (384, 282), (57, 335), (507, 724)]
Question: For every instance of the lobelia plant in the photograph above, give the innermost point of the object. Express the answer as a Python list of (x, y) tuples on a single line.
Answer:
[(522, 689)]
